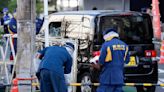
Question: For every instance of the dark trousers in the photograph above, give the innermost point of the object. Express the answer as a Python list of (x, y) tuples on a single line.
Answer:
[(109, 88), (51, 82)]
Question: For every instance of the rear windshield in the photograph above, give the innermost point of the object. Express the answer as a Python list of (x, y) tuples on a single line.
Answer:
[(131, 29)]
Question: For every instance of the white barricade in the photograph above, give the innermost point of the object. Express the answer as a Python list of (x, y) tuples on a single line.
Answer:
[(5, 61), (72, 77)]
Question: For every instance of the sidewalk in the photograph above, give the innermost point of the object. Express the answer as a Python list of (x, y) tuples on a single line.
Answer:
[(129, 89)]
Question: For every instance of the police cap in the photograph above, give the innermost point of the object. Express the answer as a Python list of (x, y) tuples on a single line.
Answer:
[(70, 45), (109, 30)]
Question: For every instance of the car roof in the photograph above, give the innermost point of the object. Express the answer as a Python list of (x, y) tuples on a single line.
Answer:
[(96, 12)]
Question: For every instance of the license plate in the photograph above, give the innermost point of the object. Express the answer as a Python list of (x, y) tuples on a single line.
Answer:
[(132, 61)]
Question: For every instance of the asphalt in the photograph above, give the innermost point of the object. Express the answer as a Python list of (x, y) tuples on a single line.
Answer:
[(161, 77), (160, 80), (129, 89)]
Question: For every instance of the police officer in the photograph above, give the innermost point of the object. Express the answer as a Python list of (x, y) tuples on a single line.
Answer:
[(6, 19), (39, 23), (113, 55), (13, 24), (56, 61), (12, 28)]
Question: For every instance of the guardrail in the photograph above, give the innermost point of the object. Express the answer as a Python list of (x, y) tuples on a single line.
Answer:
[(89, 84), (85, 84)]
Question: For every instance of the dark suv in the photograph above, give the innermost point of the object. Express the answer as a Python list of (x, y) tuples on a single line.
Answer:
[(136, 30)]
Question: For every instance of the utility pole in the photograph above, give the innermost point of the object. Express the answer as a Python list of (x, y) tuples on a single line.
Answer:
[(46, 23), (26, 41)]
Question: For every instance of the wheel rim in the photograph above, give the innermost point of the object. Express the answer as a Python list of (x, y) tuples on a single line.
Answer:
[(86, 80)]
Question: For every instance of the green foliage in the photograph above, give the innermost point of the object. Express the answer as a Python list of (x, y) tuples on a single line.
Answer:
[(1, 31), (39, 6), (3, 3), (1, 34), (12, 4)]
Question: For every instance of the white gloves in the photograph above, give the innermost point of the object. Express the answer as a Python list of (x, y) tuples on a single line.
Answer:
[(68, 79), (36, 62), (94, 60)]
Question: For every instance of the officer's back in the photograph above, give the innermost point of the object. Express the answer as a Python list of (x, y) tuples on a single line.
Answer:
[(114, 68), (54, 59), (118, 48)]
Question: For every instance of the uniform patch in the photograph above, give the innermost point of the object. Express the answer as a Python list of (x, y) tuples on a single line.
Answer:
[(118, 47)]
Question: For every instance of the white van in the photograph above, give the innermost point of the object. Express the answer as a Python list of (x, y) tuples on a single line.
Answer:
[(71, 24)]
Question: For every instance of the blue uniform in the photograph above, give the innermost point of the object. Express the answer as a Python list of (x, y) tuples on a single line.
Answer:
[(12, 28), (6, 18), (13, 25), (55, 63), (114, 54), (5, 21), (39, 24)]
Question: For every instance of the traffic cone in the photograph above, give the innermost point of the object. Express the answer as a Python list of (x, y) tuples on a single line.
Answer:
[(11, 57), (15, 85), (162, 53)]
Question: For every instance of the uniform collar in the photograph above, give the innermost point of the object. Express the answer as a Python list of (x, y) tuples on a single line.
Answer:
[(110, 38), (110, 35)]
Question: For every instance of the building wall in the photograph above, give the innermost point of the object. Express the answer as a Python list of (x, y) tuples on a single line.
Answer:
[(161, 7), (90, 4), (138, 5), (106, 4)]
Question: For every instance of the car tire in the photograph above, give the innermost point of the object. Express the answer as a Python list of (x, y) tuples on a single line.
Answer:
[(145, 89), (140, 89), (85, 78), (151, 89)]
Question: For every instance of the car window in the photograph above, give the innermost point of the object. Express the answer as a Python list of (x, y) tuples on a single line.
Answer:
[(131, 29), (55, 29)]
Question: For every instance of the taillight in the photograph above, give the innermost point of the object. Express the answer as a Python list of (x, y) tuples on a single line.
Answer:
[(96, 53), (150, 53)]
